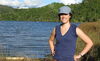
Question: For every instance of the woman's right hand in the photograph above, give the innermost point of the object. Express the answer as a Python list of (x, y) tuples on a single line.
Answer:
[(53, 53), (77, 57)]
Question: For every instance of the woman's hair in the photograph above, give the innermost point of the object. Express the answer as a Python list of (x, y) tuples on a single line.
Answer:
[(64, 13)]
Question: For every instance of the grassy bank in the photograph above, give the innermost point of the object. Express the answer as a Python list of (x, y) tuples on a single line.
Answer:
[(23, 59), (92, 29)]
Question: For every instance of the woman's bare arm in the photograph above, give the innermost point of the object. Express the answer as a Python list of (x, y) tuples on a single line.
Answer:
[(86, 39), (51, 41), (88, 42)]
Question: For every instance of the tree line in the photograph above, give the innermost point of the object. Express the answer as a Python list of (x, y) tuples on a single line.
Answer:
[(86, 11)]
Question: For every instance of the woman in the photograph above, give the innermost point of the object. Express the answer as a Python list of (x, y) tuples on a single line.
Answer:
[(66, 36)]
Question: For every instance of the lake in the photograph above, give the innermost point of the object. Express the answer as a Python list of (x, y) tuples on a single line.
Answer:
[(25, 38)]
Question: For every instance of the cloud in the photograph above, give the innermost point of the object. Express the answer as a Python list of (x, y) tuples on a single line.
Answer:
[(21, 4), (10, 2), (69, 2), (34, 3)]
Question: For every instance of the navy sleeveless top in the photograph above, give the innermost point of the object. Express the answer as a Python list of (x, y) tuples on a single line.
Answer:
[(65, 44)]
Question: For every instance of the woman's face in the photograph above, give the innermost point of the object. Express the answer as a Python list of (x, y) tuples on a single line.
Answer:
[(65, 18)]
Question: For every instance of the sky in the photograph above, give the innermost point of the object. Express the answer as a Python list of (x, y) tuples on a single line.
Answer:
[(35, 3)]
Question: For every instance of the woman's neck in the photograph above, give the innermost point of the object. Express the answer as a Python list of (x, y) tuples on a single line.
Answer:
[(65, 24)]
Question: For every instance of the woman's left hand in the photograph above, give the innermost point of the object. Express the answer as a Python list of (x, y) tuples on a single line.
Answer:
[(77, 57)]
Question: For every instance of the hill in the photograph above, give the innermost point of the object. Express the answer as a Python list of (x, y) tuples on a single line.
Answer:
[(87, 11), (5, 12), (5, 9)]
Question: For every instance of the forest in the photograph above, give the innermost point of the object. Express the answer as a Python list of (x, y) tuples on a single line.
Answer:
[(87, 11)]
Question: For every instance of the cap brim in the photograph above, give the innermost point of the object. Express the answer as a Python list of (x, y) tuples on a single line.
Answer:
[(62, 14)]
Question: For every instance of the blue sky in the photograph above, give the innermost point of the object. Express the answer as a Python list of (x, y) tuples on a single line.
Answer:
[(35, 3)]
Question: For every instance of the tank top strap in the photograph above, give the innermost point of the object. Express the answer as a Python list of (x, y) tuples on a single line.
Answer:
[(73, 29), (57, 29)]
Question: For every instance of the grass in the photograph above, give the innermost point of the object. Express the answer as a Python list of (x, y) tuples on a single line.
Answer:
[(92, 29), (23, 59)]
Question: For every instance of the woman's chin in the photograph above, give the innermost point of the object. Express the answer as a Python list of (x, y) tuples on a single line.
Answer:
[(64, 21)]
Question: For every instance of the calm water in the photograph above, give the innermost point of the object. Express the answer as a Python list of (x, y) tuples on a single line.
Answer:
[(28, 39)]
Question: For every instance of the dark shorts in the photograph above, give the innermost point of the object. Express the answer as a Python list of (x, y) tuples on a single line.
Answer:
[(64, 59)]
